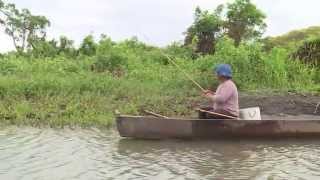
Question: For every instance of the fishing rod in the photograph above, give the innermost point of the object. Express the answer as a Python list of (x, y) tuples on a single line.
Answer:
[(179, 68), (183, 71), (192, 80)]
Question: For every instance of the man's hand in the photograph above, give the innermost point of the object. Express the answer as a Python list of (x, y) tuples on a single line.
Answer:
[(208, 94)]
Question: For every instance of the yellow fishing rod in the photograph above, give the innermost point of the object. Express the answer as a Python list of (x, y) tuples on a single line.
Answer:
[(179, 68), (191, 79)]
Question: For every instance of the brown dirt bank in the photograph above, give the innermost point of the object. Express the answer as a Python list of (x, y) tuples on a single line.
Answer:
[(289, 104)]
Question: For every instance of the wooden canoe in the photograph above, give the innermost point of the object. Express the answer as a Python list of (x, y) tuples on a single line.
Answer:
[(161, 128)]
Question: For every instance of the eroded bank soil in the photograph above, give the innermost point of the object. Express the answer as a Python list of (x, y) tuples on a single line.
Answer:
[(288, 106)]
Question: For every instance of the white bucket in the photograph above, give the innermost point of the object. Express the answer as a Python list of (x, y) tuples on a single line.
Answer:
[(250, 114)]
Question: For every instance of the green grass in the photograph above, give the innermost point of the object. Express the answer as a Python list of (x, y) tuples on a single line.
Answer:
[(62, 91)]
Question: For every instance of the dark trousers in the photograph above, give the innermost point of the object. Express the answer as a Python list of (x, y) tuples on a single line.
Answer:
[(204, 115)]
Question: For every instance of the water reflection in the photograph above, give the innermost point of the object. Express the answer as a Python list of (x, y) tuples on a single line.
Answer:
[(228, 159), (28, 153)]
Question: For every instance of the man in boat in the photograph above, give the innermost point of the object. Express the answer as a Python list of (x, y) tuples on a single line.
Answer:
[(225, 102)]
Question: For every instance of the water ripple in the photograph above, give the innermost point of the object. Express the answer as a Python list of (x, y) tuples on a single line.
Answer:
[(29, 153)]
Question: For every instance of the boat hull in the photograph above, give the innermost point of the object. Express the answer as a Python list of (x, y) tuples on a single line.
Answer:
[(157, 128)]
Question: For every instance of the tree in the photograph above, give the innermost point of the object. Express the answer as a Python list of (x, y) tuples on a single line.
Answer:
[(43, 48), (88, 46), (205, 30), (23, 27), (53, 48), (66, 46), (244, 21)]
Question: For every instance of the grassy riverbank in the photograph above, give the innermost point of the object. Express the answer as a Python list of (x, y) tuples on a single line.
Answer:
[(130, 76)]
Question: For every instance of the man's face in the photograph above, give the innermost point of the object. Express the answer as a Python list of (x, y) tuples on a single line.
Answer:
[(219, 78)]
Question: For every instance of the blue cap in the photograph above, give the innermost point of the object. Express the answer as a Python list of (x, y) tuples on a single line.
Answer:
[(224, 70)]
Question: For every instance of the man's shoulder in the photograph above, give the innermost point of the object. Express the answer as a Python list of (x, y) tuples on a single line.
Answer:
[(230, 83)]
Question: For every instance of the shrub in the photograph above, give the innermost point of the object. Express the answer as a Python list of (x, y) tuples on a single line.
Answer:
[(113, 62), (88, 46), (309, 52), (7, 66)]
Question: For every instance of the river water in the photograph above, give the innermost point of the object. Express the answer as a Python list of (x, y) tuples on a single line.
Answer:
[(30, 153)]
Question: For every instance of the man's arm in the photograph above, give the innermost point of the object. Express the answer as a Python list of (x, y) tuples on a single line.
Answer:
[(224, 94), (209, 95)]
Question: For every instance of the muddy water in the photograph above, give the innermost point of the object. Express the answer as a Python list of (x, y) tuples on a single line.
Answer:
[(27, 153)]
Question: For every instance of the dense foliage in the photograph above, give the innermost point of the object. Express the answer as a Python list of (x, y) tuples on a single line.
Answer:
[(241, 21), (244, 21), (130, 76), (55, 83), (205, 31)]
